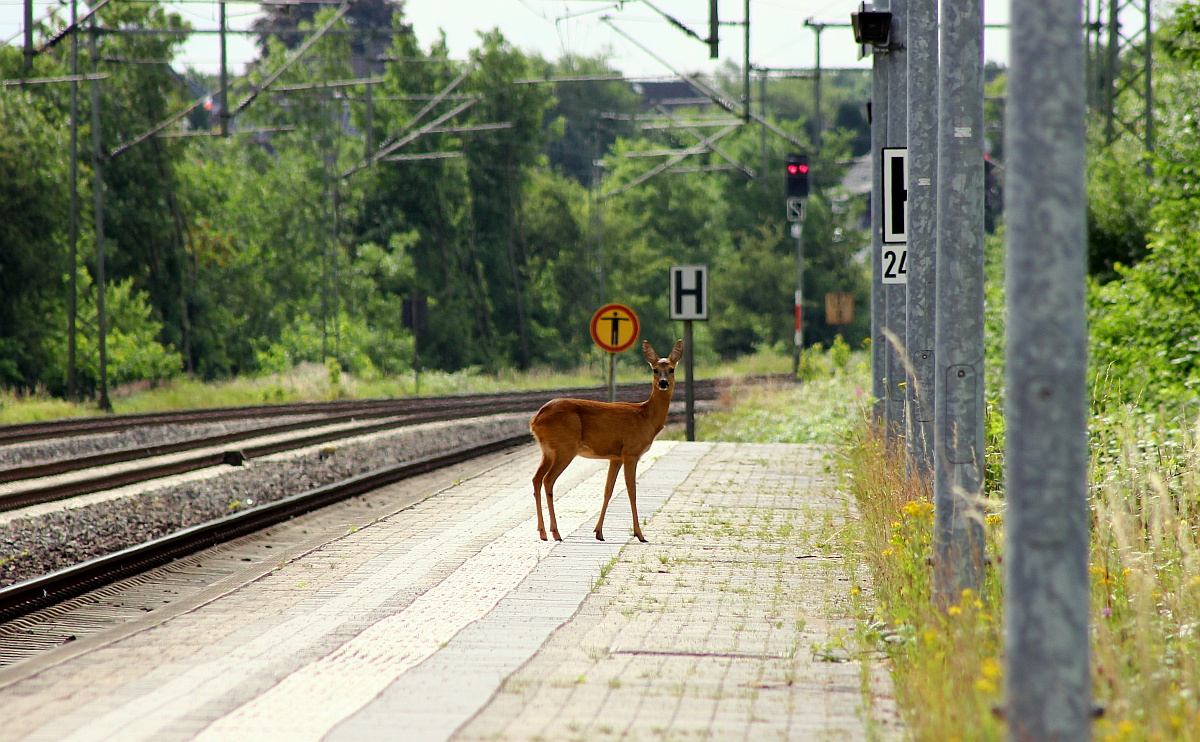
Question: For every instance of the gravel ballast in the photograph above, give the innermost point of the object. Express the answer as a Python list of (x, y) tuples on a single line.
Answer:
[(59, 449), (33, 546)]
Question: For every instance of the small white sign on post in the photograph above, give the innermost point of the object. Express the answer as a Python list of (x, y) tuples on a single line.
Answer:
[(894, 263), (689, 292), (895, 194), (795, 209)]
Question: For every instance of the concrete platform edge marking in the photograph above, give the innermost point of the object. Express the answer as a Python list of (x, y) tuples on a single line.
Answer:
[(300, 706), (463, 676)]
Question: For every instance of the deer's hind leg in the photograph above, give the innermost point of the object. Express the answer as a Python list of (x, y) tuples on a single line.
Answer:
[(557, 465), (538, 477)]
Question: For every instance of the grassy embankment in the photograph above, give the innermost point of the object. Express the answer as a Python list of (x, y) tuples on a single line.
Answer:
[(313, 382)]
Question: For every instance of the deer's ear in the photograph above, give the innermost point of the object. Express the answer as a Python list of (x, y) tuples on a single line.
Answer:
[(649, 354), (676, 352)]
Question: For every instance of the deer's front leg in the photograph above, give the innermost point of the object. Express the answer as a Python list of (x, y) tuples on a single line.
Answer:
[(609, 484), (631, 488)]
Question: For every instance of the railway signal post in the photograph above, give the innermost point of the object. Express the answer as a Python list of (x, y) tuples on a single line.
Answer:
[(797, 189), (895, 220)]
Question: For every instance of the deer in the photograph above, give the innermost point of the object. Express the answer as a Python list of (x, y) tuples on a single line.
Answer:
[(620, 432)]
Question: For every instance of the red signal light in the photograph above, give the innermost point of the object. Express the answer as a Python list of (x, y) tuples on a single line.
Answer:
[(803, 169), (793, 168)]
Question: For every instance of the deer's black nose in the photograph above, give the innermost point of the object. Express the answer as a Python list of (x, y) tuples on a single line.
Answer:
[(663, 384)]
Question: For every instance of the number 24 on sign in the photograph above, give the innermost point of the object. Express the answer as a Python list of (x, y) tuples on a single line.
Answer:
[(895, 264)]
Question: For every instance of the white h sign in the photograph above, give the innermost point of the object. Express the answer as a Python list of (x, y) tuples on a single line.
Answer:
[(895, 215), (689, 292)]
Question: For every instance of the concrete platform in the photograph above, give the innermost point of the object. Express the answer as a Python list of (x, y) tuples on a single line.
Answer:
[(450, 620)]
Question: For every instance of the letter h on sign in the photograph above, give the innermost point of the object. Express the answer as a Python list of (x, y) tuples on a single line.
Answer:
[(689, 292)]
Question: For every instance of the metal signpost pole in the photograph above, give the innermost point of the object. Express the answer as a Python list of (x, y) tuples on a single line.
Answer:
[(958, 346), (224, 102), (1047, 679), (73, 230), (894, 292), (878, 118), (689, 388), (98, 199), (922, 230), (798, 233)]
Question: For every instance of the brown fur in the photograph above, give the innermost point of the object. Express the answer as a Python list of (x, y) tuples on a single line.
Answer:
[(617, 431)]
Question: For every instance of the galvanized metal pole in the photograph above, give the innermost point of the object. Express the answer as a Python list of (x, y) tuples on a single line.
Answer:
[(877, 114), (894, 293), (612, 377), (1047, 678), (746, 66), (798, 307), (73, 230), (922, 229), (1148, 51), (762, 129), (817, 91), (28, 51), (224, 74), (98, 218), (958, 345)]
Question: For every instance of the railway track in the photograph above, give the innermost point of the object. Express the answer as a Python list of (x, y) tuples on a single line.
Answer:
[(30, 595), (210, 450), (359, 409)]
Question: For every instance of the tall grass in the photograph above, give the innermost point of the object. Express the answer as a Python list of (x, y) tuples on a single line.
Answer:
[(1145, 577), (946, 666), (1145, 565)]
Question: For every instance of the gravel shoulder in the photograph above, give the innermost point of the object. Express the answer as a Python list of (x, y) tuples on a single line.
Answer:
[(48, 539)]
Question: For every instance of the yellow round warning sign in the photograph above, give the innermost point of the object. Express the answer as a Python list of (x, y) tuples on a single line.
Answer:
[(615, 327)]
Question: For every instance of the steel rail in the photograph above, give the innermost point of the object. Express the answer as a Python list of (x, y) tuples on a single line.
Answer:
[(39, 592), (75, 488), (62, 428), (51, 468)]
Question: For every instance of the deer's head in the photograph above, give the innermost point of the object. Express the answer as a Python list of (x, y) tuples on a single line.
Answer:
[(664, 368)]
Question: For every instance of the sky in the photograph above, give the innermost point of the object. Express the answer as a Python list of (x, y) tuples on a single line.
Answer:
[(778, 36)]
